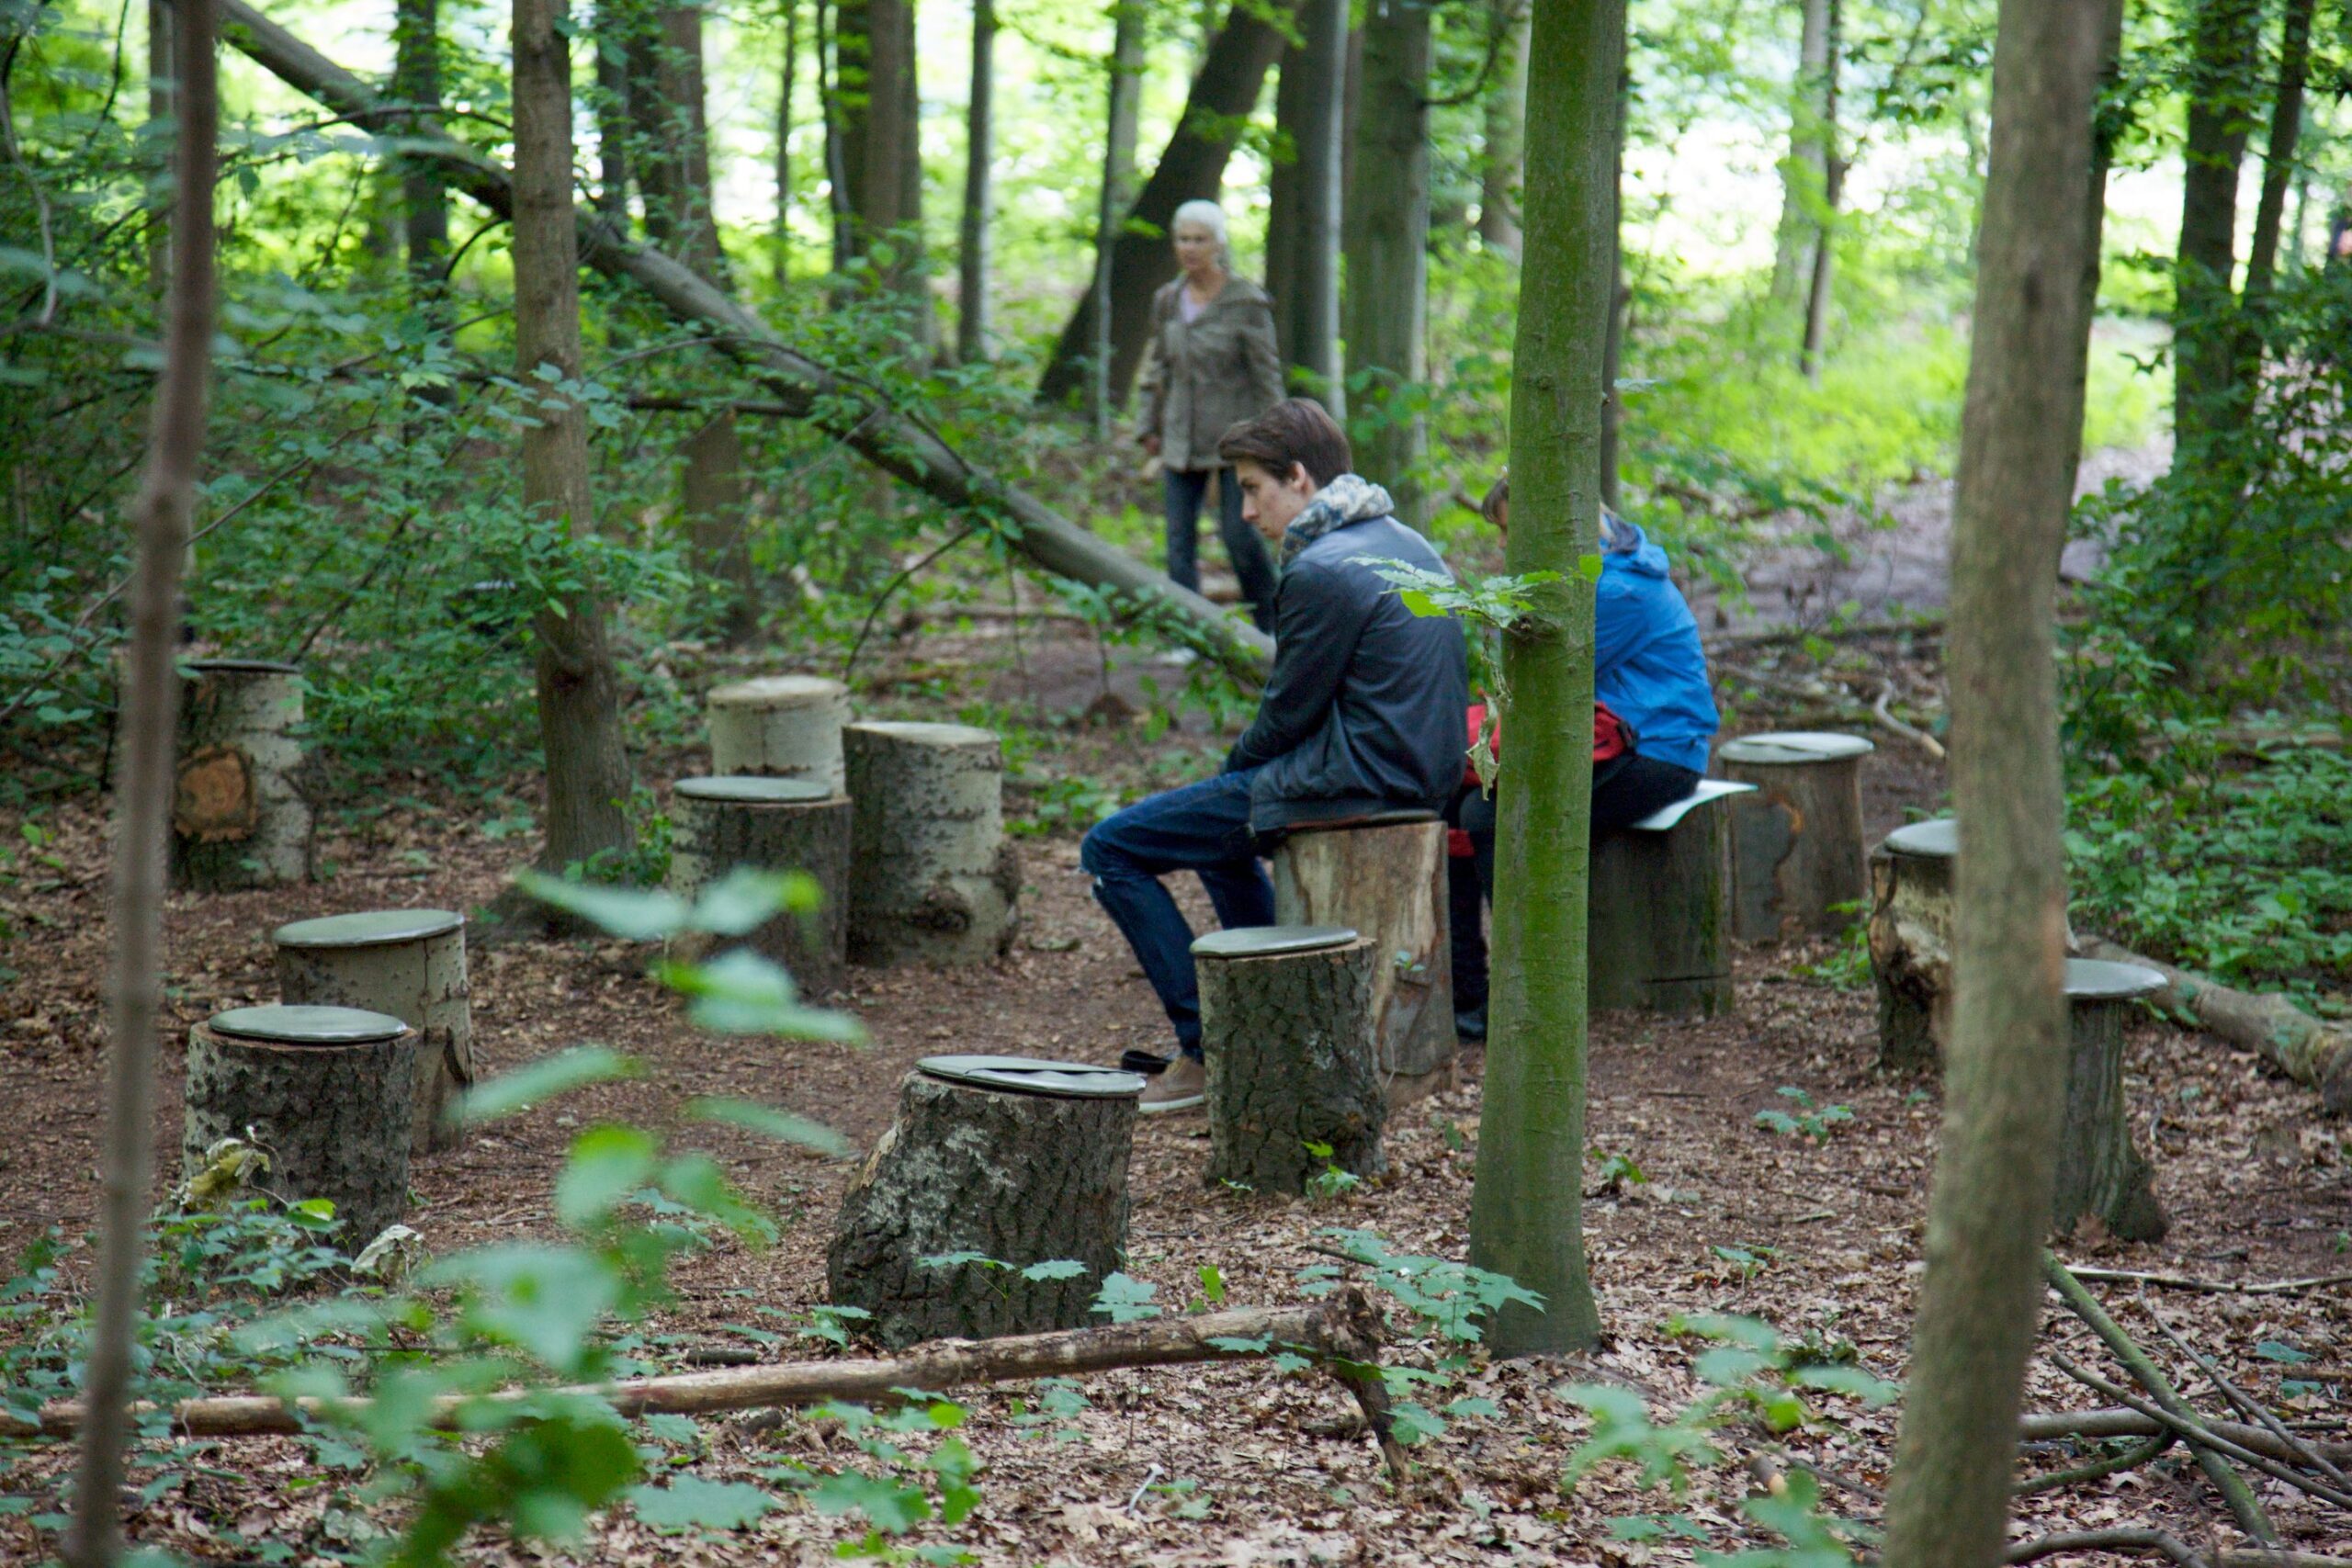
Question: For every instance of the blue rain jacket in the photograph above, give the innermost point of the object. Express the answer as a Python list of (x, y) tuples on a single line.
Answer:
[(1649, 666)]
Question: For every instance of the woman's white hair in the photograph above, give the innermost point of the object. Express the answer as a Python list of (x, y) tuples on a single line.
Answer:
[(1209, 216)]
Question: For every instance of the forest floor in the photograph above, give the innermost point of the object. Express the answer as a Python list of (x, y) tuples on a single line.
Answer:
[(1818, 1237)]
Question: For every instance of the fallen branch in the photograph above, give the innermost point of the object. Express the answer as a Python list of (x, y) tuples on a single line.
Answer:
[(2099, 1469), (2246, 1404), (1881, 711), (2157, 1543), (2050, 1426), (1342, 1333), (2308, 1050), (2200, 1436), (2211, 1287), (1722, 642), (892, 439)]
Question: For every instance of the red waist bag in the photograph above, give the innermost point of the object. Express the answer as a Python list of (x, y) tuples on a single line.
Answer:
[(1612, 738)]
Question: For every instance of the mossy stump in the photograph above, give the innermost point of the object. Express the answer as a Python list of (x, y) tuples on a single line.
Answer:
[(768, 824), (2101, 1173), (1659, 922), (409, 965), (1286, 1026)]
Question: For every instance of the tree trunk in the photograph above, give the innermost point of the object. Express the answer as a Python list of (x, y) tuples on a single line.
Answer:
[(1019, 1178), (1660, 923), (1621, 299), (2006, 1065), (409, 965), (881, 156), (327, 1092), (2110, 121), (1288, 1037), (783, 726), (161, 69), (717, 513), (932, 878), (424, 198), (1798, 861), (767, 823), (612, 25), (2223, 38), (1526, 1213), (1303, 224), (1124, 99), (2100, 1173), (1910, 946), (1825, 225), (143, 798), (1385, 314), (1191, 166), (588, 779), (786, 79), (1389, 883), (1805, 174), (980, 149), (2278, 172), (1499, 175), (829, 104), (239, 818)]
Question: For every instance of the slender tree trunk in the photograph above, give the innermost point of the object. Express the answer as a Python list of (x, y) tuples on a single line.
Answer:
[(1506, 114), (612, 110), (2279, 169), (1190, 165), (1282, 188), (972, 244), (424, 198), (1825, 227), (161, 69), (1125, 96), (1304, 222), (829, 104), (875, 58), (587, 770), (1526, 1214), (143, 793), (1385, 312), (785, 80), (2005, 1063), (2108, 122), (2224, 36), (1805, 174)]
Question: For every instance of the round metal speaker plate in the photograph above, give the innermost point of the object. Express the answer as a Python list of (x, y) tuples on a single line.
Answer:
[(1025, 1074)]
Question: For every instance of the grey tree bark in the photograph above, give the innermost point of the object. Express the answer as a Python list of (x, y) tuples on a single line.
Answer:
[(1019, 1178), (161, 69), (2006, 1064), (786, 81), (715, 836), (1292, 1062), (1660, 926), (1910, 947), (932, 876), (1498, 179), (612, 23), (1389, 883), (416, 973), (881, 153), (1825, 224), (979, 201), (1798, 862), (2224, 38), (1804, 175), (1304, 217), (1124, 100), (782, 725), (1385, 312), (240, 814), (2279, 169), (143, 795), (2100, 1171), (424, 198)]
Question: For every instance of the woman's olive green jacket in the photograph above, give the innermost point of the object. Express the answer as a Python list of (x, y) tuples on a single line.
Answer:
[(1202, 376)]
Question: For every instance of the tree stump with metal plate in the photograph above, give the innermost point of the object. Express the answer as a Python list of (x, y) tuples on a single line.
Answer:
[(783, 726), (1659, 924), (768, 824), (1910, 942), (1017, 1164), (327, 1093), (1796, 844), (933, 879), (1286, 1026), (2101, 1173), (1385, 876), (240, 818), (406, 963)]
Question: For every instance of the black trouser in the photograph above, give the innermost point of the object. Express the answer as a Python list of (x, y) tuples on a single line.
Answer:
[(1184, 490), (1624, 790)]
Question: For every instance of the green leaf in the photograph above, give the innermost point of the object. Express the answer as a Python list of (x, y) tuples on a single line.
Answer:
[(632, 914), (1126, 1299), (1590, 566), (1414, 1422), (2279, 1351), (1240, 1345), (1487, 1407), (1419, 603), (544, 1079), (1727, 1366), (544, 1300), (1053, 1268), (781, 1125), (886, 1504), (689, 1501), (1211, 1279), (606, 1166), (1871, 1391), (672, 1428), (959, 1259), (739, 992), (746, 898)]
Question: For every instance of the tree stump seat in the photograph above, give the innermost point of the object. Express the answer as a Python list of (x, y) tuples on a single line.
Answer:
[(785, 726), (1384, 875), (1910, 941), (933, 879), (1286, 1027), (327, 1093), (768, 824), (240, 816), (2102, 1174), (1016, 1162), (1659, 922), (1797, 850), (406, 963)]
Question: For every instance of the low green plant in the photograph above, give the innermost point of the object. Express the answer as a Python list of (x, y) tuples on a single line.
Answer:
[(1848, 967), (1330, 1181), (1810, 1120)]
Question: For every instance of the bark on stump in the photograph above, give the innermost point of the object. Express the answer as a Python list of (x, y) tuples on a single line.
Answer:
[(239, 817), (1910, 942), (328, 1093), (1017, 1176), (931, 877), (1797, 850), (1386, 879), (2100, 1173), (787, 726), (768, 825), (1286, 1024), (1660, 925), (409, 965)]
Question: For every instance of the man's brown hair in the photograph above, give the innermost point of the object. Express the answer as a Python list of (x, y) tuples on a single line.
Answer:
[(1497, 497), (1292, 431)]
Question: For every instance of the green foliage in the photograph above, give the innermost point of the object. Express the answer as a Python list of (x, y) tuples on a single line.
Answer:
[(1816, 1122), (1449, 1299), (1848, 967), (1330, 1181)]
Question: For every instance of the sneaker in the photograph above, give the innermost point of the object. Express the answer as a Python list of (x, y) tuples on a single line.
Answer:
[(1185, 1085)]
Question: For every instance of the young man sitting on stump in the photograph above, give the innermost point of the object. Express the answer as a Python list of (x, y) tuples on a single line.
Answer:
[(1361, 715)]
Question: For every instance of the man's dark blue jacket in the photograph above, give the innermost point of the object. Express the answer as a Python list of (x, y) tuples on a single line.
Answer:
[(1364, 710)]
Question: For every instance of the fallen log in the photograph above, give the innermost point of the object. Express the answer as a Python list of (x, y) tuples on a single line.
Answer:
[(2157, 1543), (2310, 1051), (1341, 1333), (899, 444), (2210, 1287), (2050, 1426)]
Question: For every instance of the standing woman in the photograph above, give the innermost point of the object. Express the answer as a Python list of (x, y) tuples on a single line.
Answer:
[(1212, 365)]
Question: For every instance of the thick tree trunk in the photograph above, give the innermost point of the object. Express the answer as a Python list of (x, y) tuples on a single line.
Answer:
[(1798, 861), (1385, 314), (1191, 166), (2223, 40), (881, 155), (1019, 1178), (1910, 945), (144, 794), (424, 198), (1621, 301), (240, 815), (1389, 883), (2006, 1073), (1825, 224), (409, 965), (1526, 1211), (2100, 1174), (1124, 100), (1291, 1063), (2314, 1054), (1304, 225), (2278, 172), (805, 389), (979, 201), (1500, 175), (328, 1093), (1805, 174), (587, 772), (1661, 916), (778, 825), (784, 726), (932, 876)]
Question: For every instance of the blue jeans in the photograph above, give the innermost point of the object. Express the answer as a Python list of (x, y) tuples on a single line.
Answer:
[(1184, 490), (1202, 827)]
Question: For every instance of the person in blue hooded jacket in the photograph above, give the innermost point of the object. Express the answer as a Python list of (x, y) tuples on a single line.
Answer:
[(1648, 670)]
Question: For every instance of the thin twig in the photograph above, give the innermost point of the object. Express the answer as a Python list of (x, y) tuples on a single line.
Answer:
[(1925, 742), (2159, 1543), (849, 664), (2238, 1396), (2210, 1287), (2199, 1434), (2132, 1458)]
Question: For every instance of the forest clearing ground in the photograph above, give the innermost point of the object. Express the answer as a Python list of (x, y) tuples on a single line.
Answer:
[(1732, 1218)]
